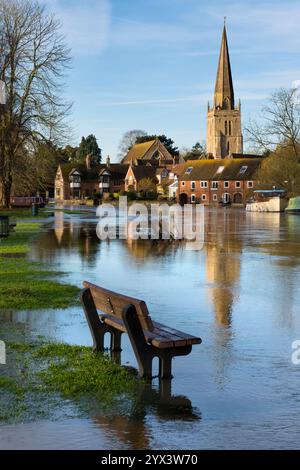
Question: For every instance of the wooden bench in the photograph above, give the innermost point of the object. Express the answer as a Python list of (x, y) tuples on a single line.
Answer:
[(120, 314)]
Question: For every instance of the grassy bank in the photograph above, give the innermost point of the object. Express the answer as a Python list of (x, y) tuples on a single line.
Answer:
[(45, 377), (24, 213), (25, 284)]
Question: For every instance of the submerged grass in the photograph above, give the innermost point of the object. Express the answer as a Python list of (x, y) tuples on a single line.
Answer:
[(26, 285), (48, 375)]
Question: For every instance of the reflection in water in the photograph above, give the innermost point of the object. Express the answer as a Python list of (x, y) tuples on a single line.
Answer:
[(133, 428), (241, 294), (223, 252)]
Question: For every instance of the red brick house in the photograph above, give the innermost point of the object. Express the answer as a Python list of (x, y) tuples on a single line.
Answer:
[(217, 181)]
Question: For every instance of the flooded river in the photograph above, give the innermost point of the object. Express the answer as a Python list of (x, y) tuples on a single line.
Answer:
[(240, 294)]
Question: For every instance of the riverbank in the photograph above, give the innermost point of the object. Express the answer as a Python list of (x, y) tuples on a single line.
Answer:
[(53, 381), (42, 379), (25, 284)]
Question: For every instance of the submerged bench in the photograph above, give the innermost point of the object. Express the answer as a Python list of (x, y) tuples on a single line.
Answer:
[(109, 312)]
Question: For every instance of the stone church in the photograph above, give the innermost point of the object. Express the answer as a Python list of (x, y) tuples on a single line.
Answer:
[(224, 135)]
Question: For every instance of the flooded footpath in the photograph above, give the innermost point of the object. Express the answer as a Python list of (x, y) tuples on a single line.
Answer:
[(241, 294)]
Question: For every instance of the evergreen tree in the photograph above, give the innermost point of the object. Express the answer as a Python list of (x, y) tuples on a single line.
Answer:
[(89, 146)]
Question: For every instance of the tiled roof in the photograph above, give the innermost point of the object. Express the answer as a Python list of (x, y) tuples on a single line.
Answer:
[(226, 169), (92, 174), (138, 151), (87, 174), (116, 169), (145, 171)]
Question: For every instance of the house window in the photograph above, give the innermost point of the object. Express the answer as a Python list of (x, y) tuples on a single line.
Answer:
[(203, 197), (237, 184), (104, 179), (189, 170), (220, 170), (250, 184), (193, 198), (193, 185), (204, 184), (226, 184), (215, 197), (182, 183), (243, 170), (214, 184)]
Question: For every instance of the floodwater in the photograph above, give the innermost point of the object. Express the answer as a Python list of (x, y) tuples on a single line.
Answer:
[(241, 293)]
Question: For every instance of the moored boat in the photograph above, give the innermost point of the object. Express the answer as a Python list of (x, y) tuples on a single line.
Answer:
[(268, 200), (294, 205)]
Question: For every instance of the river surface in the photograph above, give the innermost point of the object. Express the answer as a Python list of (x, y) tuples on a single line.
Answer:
[(241, 294)]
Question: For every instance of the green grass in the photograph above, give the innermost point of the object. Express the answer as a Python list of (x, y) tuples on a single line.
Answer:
[(19, 238), (25, 285), (46, 376), (24, 213)]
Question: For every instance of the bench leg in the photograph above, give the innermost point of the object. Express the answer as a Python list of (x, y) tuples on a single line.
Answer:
[(115, 342), (142, 350), (165, 366), (97, 328)]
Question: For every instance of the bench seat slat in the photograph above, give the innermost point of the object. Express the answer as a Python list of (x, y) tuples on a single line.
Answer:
[(160, 337), (189, 338)]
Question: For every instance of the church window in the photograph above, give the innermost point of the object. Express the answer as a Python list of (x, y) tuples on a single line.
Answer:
[(229, 127), (225, 127), (228, 148)]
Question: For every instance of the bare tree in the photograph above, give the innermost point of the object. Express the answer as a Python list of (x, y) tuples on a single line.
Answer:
[(280, 123), (128, 140), (33, 60)]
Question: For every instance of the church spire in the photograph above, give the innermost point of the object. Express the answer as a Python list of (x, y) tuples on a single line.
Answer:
[(224, 95)]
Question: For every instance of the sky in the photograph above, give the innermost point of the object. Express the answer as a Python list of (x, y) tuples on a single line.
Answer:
[(152, 64)]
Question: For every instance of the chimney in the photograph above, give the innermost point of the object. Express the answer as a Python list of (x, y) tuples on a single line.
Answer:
[(108, 161), (88, 161)]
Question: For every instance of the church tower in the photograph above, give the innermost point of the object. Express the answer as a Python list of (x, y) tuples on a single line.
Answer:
[(224, 134)]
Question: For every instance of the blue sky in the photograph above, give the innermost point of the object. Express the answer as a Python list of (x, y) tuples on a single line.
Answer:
[(151, 64)]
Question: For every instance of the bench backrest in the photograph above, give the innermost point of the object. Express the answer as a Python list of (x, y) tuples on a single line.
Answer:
[(112, 303)]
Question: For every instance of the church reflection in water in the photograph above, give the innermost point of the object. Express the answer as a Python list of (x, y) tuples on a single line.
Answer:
[(223, 250)]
